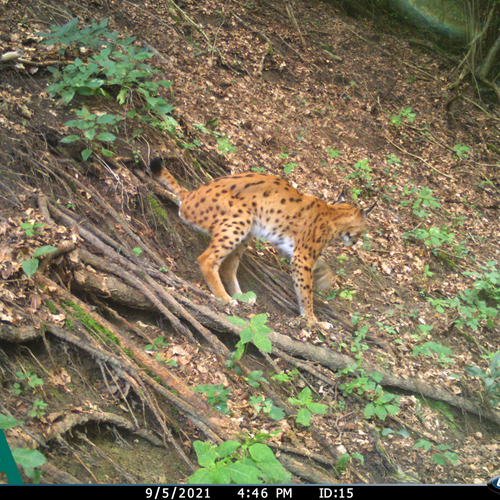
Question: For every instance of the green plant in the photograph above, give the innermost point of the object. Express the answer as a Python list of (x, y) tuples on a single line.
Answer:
[(30, 266), (216, 396), (333, 153), (31, 228), (267, 406), (427, 273), (429, 348), (256, 331), (362, 173), (488, 283), (70, 36), (288, 168), (248, 297), (432, 237), (158, 344), (383, 402), (461, 150), (478, 306), (223, 144), (392, 159), (255, 378), (490, 379), (37, 410), (347, 294), (438, 458), (308, 407), (30, 379), (403, 114), (425, 200), (94, 128), (283, 377), (118, 68), (29, 460), (347, 457), (234, 463)]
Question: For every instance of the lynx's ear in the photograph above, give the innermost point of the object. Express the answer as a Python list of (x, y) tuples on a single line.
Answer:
[(341, 198), (366, 211)]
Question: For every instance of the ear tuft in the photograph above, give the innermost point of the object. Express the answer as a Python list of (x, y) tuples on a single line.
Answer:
[(341, 198), (366, 211)]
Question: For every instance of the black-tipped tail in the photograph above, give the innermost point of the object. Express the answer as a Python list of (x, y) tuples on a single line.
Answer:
[(156, 166)]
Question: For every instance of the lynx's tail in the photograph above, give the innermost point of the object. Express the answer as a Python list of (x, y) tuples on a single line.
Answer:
[(165, 178)]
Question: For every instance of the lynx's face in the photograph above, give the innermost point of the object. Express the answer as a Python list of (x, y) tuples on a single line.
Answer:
[(351, 235)]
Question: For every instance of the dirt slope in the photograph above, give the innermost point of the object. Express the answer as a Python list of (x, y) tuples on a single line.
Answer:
[(326, 101)]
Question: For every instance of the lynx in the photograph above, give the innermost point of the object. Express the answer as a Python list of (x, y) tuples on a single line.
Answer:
[(235, 208)]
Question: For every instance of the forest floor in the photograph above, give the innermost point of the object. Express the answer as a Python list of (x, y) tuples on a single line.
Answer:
[(102, 346)]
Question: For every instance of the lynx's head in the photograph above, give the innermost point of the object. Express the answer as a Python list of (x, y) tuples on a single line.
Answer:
[(351, 220)]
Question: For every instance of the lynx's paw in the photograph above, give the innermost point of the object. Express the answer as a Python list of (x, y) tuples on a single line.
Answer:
[(305, 322)]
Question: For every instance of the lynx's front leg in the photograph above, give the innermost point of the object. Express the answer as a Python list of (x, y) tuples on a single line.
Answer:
[(302, 266), (302, 269)]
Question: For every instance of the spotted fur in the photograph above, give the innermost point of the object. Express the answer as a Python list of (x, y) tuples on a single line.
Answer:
[(235, 208)]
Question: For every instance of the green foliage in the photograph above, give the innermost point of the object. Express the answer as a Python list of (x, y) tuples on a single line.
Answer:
[(478, 306), (333, 153), (37, 410), (488, 283), (117, 68), (490, 379), (384, 403), (433, 237), (430, 348), (223, 144), (234, 463), (247, 297), (362, 173), (268, 407), (404, 114), (255, 378), (438, 458), (283, 377), (94, 128), (461, 150), (308, 406), (392, 159), (425, 200), (256, 331), (27, 459), (31, 228), (29, 380), (70, 36), (347, 457), (157, 345), (216, 396)]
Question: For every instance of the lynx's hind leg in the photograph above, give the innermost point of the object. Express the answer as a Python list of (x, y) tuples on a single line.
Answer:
[(227, 245), (229, 268)]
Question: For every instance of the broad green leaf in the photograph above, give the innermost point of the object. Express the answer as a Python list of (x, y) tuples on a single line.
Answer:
[(70, 138), (236, 321), (30, 266), (44, 250), (106, 136), (86, 153)]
